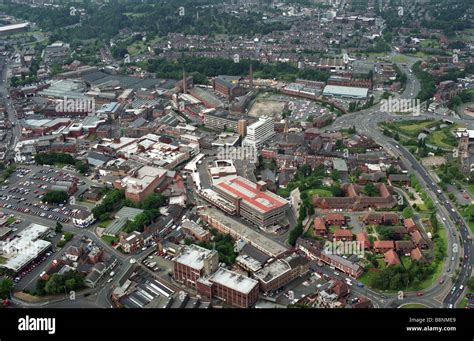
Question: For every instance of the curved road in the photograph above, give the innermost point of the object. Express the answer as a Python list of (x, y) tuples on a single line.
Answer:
[(446, 294)]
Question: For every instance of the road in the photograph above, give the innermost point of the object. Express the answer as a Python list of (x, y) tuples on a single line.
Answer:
[(10, 109)]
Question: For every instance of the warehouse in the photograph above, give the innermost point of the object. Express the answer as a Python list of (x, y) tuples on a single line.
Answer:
[(345, 92), (31, 245), (14, 28)]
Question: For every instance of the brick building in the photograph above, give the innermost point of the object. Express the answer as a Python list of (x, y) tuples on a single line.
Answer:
[(229, 286), (193, 262), (141, 183)]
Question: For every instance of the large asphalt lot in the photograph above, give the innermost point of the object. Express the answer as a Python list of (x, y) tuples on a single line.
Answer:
[(26, 188)]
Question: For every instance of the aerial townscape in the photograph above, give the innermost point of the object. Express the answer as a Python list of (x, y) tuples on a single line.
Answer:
[(236, 154)]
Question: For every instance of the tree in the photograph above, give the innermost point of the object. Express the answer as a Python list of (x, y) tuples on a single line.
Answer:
[(407, 213), (370, 190), (386, 233), (59, 227), (54, 284), (40, 286), (6, 286), (153, 201), (335, 175), (110, 202), (469, 212), (56, 197), (54, 158), (82, 167), (273, 165), (470, 284), (70, 284), (295, 233)]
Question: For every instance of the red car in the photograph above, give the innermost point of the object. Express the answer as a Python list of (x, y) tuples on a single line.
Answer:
[(419, 294)]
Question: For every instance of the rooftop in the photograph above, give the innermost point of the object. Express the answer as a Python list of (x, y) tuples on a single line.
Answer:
[(262, 200), (26, 247), (143, 178), (253, 237), (273, 270), (345, 91), (233, 280), (13, 27), (128, 212), (193, 256)]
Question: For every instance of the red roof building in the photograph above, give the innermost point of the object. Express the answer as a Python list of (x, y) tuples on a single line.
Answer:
[(335, 219), (343, 235), (417, 255), (410, 225), (418, 239), (362, 237), (319, 226), (382, 246), (391, 258)]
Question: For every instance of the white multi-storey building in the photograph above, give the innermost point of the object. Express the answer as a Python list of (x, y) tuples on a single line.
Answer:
[(259, 132)]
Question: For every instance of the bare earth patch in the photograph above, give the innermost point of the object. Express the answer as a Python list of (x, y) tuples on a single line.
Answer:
[(266, 107), (433, 161)]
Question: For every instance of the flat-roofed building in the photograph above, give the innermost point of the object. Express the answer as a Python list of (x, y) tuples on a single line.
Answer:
[(231, 287), (281, 272), (223, 120), (345, 91), (141, 183), (253, 201), (259, 132), (237, 230), (21, 251), (248, 263), (193, 262), (195, 230), (14, 28)]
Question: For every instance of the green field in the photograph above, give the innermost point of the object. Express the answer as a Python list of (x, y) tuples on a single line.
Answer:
[(321, 192), (105, 223), (429, 43), (471, 226), (412, 128), (420, 55), (463, 303), (406, 261), (470, 188), (366, 278), (443, 138), (137, 48), (373, 56), (428, 282), (109, 240), (400, 58)]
